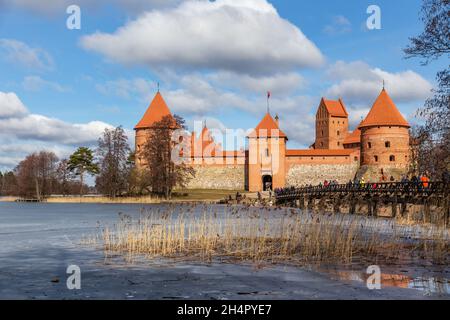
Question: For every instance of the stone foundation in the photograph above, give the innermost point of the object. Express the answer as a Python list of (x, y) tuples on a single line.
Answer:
[(231, 177), (299, 175), (373, 173)]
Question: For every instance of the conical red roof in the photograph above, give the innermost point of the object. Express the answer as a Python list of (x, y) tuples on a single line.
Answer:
[(266, 128), (157, 110), (384, 113)]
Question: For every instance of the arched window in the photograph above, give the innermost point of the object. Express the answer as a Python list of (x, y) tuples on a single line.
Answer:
[(392, 158), (369, 145), (387, 144), (376, 158), (338, 133)]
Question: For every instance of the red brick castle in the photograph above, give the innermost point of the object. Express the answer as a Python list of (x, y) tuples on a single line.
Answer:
[(377, 149)]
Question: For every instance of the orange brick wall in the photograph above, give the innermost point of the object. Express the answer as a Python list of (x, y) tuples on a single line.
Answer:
[(373, 144), (330, 131)]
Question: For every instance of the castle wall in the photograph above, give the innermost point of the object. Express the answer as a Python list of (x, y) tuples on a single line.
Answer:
[(219, 177), (379, 144), (305, 174)]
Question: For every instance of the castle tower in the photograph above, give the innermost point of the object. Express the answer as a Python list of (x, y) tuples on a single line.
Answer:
[(385, 140), (267, 156), (157, 110), (331, 125)]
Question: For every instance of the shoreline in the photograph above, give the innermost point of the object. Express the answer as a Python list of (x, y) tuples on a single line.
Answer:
[(105, 200)]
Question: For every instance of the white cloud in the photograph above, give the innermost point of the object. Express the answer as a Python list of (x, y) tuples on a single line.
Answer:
[(18, 52), (361, 83), (22, 132), (338, 25), (279, 83), (128, 88), (36, 83), (11, 106), (245, 36)]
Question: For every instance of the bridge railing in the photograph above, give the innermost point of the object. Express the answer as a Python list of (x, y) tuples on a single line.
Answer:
[(385, 187)]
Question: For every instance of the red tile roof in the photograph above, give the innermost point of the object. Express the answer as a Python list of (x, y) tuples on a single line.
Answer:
[(384, 113), (266, 128), (318, 153), (157, 110), (335, 108), (354, 137)]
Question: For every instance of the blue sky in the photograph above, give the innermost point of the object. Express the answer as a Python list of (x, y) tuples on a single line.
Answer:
[(215, 61)]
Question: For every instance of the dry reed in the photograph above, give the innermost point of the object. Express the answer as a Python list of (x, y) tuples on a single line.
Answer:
[(264, 236)]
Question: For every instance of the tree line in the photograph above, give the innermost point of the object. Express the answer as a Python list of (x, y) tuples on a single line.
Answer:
[(431, 140), (112, 163)]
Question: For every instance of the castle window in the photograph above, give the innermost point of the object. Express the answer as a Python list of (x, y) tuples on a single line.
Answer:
[(267, 152), (392, 158), (338, 133), (356, 158), (387, 144), (369, 145), (338, 144), (376, 158)]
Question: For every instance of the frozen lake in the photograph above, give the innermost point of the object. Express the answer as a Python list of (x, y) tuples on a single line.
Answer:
[(39, 241)]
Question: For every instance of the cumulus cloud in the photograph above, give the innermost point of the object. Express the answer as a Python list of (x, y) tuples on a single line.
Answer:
[(18, 52), (22, 132), (128, 88), (279, 83), (11, 106), (359, 82), (245, 36)]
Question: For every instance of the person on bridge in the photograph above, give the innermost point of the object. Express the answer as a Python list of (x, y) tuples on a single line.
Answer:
[(362, 182), (425, 180)]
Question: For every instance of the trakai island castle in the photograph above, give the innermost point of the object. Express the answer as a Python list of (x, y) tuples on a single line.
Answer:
[(378, 149)]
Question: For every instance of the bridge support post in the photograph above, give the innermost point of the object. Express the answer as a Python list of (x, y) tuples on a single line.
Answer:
[(369, 208), (352, 209), (337, 205), (403, 208), (301, 204), (426, 211), (394, 208)]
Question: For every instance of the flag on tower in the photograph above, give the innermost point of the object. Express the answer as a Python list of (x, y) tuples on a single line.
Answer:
[(268, 94)]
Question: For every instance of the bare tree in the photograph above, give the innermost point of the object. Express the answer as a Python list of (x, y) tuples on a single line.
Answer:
[(36, 175), (113, 153), (434, 138), (163, 173)]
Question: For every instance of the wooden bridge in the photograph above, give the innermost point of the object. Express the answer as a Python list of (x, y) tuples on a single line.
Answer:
[(430, 200)]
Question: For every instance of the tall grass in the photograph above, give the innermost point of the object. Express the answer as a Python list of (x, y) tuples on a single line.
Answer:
[(280, 236)]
